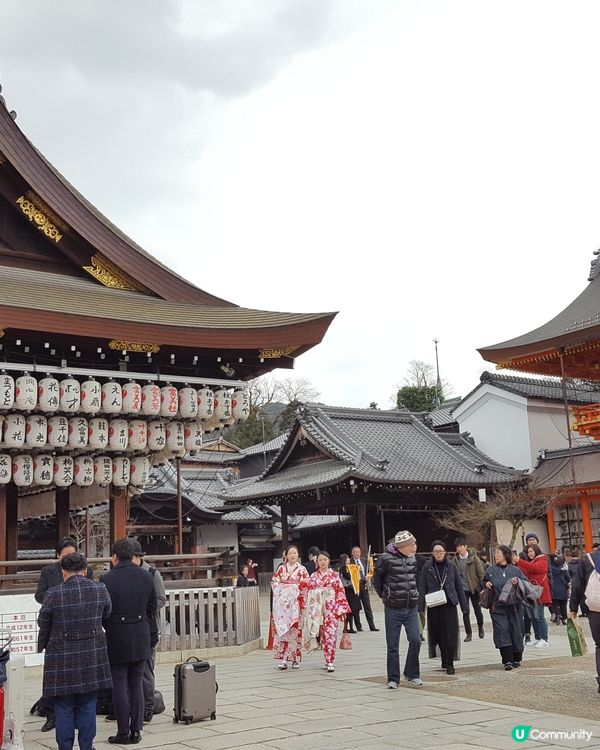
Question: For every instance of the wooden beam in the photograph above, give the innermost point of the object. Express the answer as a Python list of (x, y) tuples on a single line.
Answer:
[(362, 527), (62, 509), (285, 532), (118, 513), (9, 498)]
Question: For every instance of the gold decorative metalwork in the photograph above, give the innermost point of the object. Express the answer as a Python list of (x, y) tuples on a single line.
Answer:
[(107, 273), (1, 332), (47, 211), (282, 351), (133, 346), (39, 218)]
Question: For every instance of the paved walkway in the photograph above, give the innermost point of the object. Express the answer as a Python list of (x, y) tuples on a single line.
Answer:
[(259, 707)]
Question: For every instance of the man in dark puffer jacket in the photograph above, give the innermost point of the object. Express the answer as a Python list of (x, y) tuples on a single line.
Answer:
[(395, 581)]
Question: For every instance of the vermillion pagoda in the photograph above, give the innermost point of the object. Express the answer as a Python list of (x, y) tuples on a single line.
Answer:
[(108, 358)]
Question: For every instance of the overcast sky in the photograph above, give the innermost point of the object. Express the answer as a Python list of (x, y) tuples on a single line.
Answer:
[(428, 169)]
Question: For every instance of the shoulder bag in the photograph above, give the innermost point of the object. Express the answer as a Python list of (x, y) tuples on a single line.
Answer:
[(437, 598)]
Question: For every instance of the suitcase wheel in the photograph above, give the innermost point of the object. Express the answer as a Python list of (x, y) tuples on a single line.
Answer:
[(213, 716)]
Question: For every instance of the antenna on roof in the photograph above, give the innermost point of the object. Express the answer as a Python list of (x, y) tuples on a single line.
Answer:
[(438, 383)]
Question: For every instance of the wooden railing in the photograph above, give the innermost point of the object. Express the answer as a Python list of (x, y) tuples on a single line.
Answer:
[(209, 618)]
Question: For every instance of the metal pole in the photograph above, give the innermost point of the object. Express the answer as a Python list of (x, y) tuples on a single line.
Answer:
[(438, 382), (563, 382), (179, 509)]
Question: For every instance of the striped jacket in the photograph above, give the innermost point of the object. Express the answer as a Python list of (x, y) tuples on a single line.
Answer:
[(70, 622)]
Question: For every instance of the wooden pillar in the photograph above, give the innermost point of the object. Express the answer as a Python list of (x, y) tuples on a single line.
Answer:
[(285, 532), (9, 523), (587, 523), (62, 510), (117, 512), (362, 527), (551, 530), (383, 537)]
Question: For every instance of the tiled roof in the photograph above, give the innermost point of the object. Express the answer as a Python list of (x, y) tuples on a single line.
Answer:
[(443, 415), (388, 447), (315, 522), (271, 445), (547, 389), (201, 488), (214, 457)]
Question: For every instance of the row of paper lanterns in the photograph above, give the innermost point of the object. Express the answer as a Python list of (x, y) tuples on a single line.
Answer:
[(69, 396), (99, 433), (84, 471)]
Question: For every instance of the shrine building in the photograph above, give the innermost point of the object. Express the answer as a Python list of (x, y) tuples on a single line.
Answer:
[(110, 362)]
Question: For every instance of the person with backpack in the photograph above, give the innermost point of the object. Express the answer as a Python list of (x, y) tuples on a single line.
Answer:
[(585, 586)]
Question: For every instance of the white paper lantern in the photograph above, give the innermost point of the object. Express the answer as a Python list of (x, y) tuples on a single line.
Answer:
[(43, 469), (36, 431), (49, 394), (169, 401), (63, 471), (91, 396), (103, 470), (223, 404), (22, 468), (78, 432), (157, 438), (83, 471), (140, 471), (206, 403), (118, 434), (14, 430), (26, 390), (151, 400), (240, 405), (193, 436), (112, 397), (188, 403), (7, 391), (138, 435), (98, 433), (121, 471), (175, 436), (58, 432), (214, 423), (132, 398), (70, 395), (5, 468)]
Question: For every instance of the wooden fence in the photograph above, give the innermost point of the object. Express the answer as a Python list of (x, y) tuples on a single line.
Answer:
[(209, 617)]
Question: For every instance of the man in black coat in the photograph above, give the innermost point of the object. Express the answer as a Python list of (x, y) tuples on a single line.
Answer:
[(51, 575), (588, 566), (311, 564), (131, 634), (76, 665), (363, 591)]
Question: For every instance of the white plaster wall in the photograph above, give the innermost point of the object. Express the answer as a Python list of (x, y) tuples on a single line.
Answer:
[(537, 526), (218, 535), (548, 428), (497, 420)]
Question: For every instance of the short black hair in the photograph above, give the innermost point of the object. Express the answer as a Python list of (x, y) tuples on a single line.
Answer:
[(74, 562), (313, 551), (123, 549), (460, 540), (439, 543), (324, 553), (66, 541)]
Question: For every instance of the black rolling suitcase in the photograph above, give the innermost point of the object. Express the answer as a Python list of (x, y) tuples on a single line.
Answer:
[(195, 691)]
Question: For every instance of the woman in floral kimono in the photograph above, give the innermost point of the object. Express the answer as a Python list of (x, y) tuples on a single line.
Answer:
[(289, 585), (335, 607)]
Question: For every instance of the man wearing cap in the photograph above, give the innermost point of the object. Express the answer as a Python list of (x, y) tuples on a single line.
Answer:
[(395, 581), (161, 599)]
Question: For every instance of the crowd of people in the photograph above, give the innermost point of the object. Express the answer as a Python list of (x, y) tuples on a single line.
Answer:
[(309, 601)]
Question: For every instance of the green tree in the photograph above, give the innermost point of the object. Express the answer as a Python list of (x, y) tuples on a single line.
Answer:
[(421, 391)]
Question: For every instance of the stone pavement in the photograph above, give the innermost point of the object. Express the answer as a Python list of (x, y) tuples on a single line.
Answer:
[(259, 707)]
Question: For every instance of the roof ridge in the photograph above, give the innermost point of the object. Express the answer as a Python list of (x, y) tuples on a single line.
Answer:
[(435, 438)]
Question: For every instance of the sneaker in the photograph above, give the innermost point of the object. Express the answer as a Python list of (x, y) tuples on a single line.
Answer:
[(469, 638), (148, 715), (516, 664), (508, 666), (282, 665), (393, 685), (295, 665), (330, 668), (416, 681), (531, 642), (542, 644)]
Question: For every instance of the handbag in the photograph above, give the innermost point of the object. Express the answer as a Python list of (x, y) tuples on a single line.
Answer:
[(577, 642), (436, 598), (346, 642), (485, 598)]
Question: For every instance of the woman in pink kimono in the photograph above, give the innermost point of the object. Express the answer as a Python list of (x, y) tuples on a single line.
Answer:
[(335, 606), (289, 585)]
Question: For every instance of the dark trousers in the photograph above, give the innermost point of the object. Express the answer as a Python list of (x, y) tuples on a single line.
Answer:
[(73, 711), (366, 604), (526, 623), (148, 683), (394, 620), (128, 696), (559, 609), (510, 656), (473, 597), (594, 620)]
